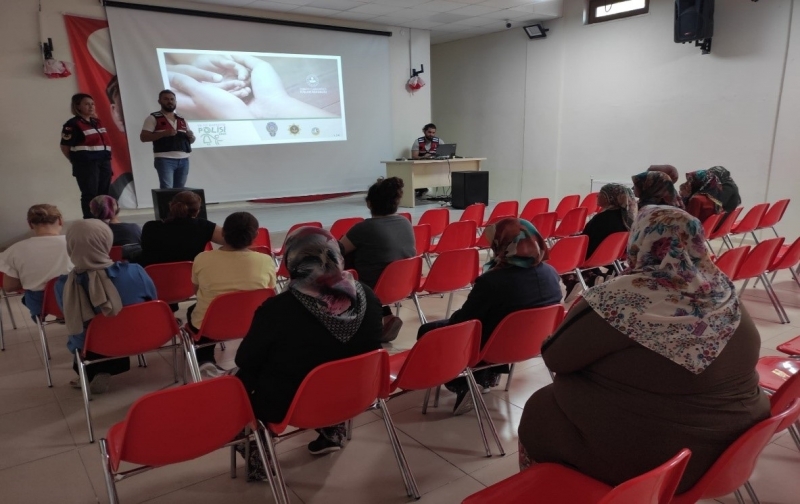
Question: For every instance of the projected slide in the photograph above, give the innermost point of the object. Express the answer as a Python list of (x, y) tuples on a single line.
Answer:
[(235, 98)]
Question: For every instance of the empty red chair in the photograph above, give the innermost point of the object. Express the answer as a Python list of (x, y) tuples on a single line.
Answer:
[(788, 258), (730, 262), (457, 235), (590, 202), (756, 264), (437, 219), (566, 204), (750, 221), (607, 253), (342, 226), (262, 250), (115, 253), (262, 240), (502, 210), (422, 238), (474, 213), (228, 318), (399, 281), (711, 223), (791, 347), (453, 270), (334, 393), (535, 207), (407, 215), (173, 281), (49, 309), (572, 223), (724, 229), (279, 252), (733, 468), (5, 295), (568, 253), (556, 484), (773, 215), (176, 425), (545, 223), (779, 377), (136, 329)]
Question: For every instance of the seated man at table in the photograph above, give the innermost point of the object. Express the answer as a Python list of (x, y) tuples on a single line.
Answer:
[(425, 148)]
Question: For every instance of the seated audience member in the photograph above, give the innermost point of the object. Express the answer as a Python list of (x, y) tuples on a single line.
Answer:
[(128, 235), (702, 194), (232, 267), (729, 196), (662, 357), (514, 279), (97, 285), (380, 240), (29, 264), (670, 170), (323, 315), (655, 188), (182, 235)]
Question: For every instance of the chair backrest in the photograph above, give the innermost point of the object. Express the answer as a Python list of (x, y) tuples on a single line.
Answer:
[(759, 259), (262, 239), (788, 258), (173, 281), (730, 262), (519, 336), (261, 249), (115, 253), (437, 218), (734, 467), (457, 235), (229, 315), (422, 238), (545, 223), (502, 210), (774, 214), (751, 219), (656, 486), (566, 204), (590, 202), (573, 222), (609, 250), (49, 303), (535, 207), (209, 246), (342, 226), (136, 329), (784, 397), (725, 227), (452, 270), (568, 253), (399, 280), (407, 215), (176, 425), (711, 223), (338, 391), (298, 226), (474, 213), (440, 356)]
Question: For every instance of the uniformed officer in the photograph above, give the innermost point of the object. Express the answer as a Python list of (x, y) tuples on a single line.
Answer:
[(172, 142)]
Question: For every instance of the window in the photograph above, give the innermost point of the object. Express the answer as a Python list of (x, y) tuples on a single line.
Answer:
[(606, 10)]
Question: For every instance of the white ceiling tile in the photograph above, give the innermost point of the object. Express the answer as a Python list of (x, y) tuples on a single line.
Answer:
[(441, 6), (506, 3), (474, 10), (424, 24), (315, 11), (410, 14), (451, 27), (232, 3), (377, 9), (401, 3), (294, 2), (272, 6), (479, 21), (446, 17), (341, 5), (355, 16)]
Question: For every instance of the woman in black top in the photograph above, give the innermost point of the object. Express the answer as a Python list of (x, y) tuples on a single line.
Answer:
[(128, 235)]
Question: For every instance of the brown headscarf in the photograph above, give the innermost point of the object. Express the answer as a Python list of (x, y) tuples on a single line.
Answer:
[(515, 242), (668, 169), (656, 188)]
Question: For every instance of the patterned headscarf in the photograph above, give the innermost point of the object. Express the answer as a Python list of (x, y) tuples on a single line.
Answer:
[(656, 188), (620, 197), (318, 280), (674, 300), (668, 169), (515, 242), (705, 182), (722, 174)]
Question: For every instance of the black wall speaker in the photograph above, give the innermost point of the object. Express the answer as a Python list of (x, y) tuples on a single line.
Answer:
[(469, 187), (694, 20), (162, 197)]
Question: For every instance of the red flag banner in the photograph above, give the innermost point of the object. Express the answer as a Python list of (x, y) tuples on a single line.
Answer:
[(97, 75)]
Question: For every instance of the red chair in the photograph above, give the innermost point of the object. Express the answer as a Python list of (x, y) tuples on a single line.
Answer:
[(730, 262), (733, 468), (342, 226), (422, 238), (779, 377), (5, 295), (791, 347), (228, 318), (137, 329), (261, 249), (535, 207), (262, 240), (566, 204), (788, 258), (474, 213), (502, 210), (209, 246), (749, 222), (173, 281), (279, 252), (573, 223), (176, 425), (556, 484), (115, 253), (50, 308), (590, 203), (607, 253), (774, 215), (723, 230), (437, 219), (457, 235), (399, 281), (452, 271), (334, 393), (407, 215), (756, 264), (545, 223), (568, 253), (711, 223)]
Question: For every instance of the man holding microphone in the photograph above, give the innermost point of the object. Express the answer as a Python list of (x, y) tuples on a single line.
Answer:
[(172, 141)]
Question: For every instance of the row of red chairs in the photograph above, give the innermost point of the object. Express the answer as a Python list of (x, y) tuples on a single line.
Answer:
[(760, 217)]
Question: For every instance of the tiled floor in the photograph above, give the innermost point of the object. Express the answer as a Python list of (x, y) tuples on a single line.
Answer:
[(45, 455)]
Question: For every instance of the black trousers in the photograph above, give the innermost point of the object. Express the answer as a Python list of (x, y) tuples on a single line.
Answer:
[(112, 367), (205, 354), (94, 179)]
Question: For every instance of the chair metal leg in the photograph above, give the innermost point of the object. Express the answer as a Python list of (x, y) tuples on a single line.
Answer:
[(510, 374), (405, 471), (394, 442), (2, 340), (222, 346), (581, 280), (755, 238), (142, 360), (475, 395), (739, 498), (280, 484), (744, 285), (268, 468), (427, 257), (436, 397), (85, 391), (349, 429), (45, 351), (422, 319), (175, 358), (751, 492), (233, 462), (111, 487), (776, 232), (449, 305), (191, 357), (481, 405), (10, 313), (794, 431), (425, 401), (773, 296)]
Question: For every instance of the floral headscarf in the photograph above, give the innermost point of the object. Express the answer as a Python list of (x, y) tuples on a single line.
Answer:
[(674, 300), (515, 242), (319, 282), (620, 197), (656, 188), (705, 182)]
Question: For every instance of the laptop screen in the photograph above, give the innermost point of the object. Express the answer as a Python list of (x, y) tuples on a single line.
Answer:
[(446, 150)]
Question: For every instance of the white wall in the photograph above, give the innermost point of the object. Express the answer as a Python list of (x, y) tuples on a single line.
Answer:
[(32, 169), (607, 100)]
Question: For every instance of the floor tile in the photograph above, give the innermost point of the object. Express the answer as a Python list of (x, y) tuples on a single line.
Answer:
[(59, 478), (33, 433)]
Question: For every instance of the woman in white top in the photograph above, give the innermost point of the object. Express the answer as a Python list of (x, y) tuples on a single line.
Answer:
[(29, 264)]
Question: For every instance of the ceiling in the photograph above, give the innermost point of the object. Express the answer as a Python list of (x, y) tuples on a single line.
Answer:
[(446, 19)]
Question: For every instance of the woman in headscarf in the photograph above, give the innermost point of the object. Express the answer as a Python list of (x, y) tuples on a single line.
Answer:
[(97, 285), (323, 315), (655, 188), (729, 196), (702, 194), (516, 278), (670, 170), (663, 357)]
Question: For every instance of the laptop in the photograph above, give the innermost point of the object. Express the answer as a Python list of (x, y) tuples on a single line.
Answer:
[(446, 151)]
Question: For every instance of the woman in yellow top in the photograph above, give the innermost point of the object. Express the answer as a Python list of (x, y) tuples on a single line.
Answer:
[(230, 268)]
